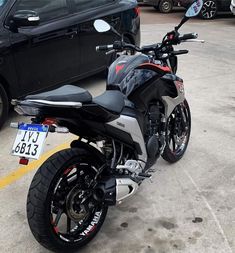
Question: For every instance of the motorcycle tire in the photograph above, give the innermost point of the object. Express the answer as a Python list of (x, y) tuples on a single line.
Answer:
[(61, 214), (178, 133)]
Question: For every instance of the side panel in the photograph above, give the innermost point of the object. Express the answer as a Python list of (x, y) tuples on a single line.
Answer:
[(130, 125), (169, 89), (170, 103)]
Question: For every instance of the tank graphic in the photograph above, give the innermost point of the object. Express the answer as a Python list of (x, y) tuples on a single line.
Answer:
[(125, 76)]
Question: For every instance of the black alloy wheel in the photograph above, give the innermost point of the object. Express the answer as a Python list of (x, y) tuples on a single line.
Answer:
[(165, 6), (178, 133), (4, 105), (62, 213), (209, 9)]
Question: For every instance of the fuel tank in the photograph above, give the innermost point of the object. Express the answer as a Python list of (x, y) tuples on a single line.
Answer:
[(141, 80), (125, 76), (129, 73)]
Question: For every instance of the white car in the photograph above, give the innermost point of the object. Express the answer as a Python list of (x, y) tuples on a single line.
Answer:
[(232, 6)]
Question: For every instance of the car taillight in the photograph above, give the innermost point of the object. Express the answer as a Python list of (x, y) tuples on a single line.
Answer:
[(137, 11)]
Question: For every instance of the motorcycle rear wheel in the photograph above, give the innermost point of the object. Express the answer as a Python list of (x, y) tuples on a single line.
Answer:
[(61, 211), (178, 133)]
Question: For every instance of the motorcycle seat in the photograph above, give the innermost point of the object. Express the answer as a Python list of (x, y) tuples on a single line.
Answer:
[(66, 93), (112, 100)]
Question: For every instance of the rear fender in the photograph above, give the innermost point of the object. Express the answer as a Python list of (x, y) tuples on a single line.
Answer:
[(89, 150)]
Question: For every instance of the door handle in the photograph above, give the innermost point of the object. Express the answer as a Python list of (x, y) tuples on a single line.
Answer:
[(71, 34)]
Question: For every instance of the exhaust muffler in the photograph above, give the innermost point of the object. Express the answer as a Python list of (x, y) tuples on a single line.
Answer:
[(114, 191)]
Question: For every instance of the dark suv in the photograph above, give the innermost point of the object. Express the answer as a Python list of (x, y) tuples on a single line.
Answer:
[(49, 42)]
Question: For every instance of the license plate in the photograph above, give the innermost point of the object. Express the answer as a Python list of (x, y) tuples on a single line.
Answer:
[(29, 141)]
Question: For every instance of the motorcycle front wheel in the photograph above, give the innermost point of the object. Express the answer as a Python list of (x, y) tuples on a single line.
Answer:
[(62, 213), (178, 131)]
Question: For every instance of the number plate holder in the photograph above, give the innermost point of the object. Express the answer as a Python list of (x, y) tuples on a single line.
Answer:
[(30, 140)]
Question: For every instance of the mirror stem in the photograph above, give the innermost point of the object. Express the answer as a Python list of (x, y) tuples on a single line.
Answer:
[(184, 20), (116, 32)]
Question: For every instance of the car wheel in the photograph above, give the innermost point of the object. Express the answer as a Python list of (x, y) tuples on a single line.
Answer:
[(209, 9), (4, 106), (165, 6)]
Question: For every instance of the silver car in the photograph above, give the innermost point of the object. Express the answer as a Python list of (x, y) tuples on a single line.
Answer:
[(232, 6)]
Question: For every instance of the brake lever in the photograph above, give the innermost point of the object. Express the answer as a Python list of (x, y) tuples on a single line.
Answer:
[(194, 40), (110, 52)]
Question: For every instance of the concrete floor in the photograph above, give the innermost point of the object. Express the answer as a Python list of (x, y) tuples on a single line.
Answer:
[(190, 206)]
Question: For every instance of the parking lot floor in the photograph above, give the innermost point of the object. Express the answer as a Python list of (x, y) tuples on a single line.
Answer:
[(190, 206)]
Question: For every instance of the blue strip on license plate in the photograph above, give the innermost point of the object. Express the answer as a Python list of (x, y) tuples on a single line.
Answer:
[(33, 127)]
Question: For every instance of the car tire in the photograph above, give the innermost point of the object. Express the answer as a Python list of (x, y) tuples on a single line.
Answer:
[(209, 9), (4, 105), (165, 6)]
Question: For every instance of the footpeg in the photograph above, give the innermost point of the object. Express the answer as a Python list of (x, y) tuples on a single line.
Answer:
[(145, 175), (152, 170)]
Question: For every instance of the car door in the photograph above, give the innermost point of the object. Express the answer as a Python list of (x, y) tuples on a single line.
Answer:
[(47, 54), (225, 5), (89, 11)]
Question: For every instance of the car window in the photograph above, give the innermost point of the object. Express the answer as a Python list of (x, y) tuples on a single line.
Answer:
[(2, 3), (47, 9), (82, 5)]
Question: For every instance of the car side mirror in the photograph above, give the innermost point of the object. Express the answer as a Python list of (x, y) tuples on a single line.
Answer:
[(25, 18), (101, 26)]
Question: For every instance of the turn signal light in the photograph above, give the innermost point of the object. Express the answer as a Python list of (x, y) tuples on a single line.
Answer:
[(137, 11)]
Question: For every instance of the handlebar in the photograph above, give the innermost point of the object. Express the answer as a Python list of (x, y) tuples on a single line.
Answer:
[(104, 48), (171, 40), (179, 52), (188, 36)]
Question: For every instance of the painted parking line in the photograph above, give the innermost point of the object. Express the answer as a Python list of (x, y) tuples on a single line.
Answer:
[(20, 172)]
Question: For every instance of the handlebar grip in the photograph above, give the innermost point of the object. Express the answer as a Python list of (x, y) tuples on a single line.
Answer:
[(104, 48), (179, 52), (188, 36)]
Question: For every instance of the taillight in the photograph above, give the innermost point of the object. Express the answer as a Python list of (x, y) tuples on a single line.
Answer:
[(137, 11), (49, 122)]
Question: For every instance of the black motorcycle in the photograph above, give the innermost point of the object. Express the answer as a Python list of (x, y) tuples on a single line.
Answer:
[(141, 116)]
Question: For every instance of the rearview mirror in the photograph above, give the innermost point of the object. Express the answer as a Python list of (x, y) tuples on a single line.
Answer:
[(26, 18), (194, 9), (101, 26)]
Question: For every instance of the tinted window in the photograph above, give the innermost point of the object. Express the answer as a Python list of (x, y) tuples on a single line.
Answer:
[(47, 9), (82, 5), (2, 3)]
